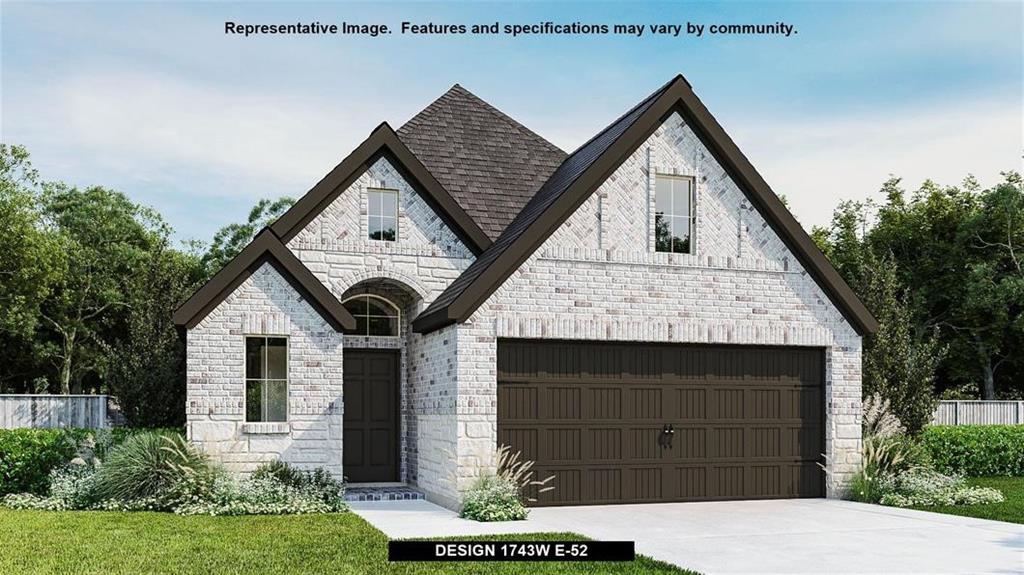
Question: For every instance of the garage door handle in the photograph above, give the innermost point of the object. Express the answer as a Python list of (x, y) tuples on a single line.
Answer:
[(665, 439)]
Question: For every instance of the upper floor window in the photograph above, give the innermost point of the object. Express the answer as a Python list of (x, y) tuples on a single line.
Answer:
[(383, 214), (266, 378), (374, 315), (673, 213)]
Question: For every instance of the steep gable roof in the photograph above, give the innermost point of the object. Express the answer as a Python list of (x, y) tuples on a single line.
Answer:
[(589, 166), (382, 142), (491, 164), (265, 248)]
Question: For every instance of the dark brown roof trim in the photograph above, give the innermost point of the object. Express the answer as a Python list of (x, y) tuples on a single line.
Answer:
[(588, 167), (383, 141), (265, 248)]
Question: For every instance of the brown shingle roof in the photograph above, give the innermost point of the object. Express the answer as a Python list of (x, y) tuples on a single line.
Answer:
[(491, 164)]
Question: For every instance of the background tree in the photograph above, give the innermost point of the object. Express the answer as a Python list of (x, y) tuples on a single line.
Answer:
[(147, 360), (104, 237), (230, 239)]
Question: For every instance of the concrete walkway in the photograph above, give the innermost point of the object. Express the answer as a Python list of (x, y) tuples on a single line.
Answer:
[(782, 536)]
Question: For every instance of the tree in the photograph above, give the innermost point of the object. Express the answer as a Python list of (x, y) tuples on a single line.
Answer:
[(104, 237), (989, 320), (898, 365), (147, 361), (30, 260), (230, 239)]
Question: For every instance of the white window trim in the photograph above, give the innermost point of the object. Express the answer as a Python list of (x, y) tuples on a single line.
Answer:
[(389, 303), (287, 382), (369, 215), (653, 241)]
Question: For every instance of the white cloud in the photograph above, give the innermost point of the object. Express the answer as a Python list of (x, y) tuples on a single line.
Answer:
[(146, 127), (817, 162)]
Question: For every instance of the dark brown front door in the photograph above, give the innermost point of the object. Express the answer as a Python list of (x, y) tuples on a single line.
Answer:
[(371, 415), (629, 423)]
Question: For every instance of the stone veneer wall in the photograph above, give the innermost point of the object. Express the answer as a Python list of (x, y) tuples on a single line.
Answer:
[(598, 278), (265, 304)]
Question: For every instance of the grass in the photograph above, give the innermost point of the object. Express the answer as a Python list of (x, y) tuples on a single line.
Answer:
[(1011, 510), (111, 542)]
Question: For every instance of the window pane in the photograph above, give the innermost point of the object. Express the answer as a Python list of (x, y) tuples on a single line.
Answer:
[(376, 228), (356, 306), (383, 326), (378, 307), (681, 235), (389, 204), (681, 198), (277, 358), (388, 228), (275, 407), (254, 357), (663, 195), (662, 234), (253, 400), (362, 323), (375, 203)]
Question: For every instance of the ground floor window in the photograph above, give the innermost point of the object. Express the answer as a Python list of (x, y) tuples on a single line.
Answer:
[(266, 378)]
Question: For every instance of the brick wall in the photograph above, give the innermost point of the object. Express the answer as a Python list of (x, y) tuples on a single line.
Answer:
[(265, 304), (598, 278)]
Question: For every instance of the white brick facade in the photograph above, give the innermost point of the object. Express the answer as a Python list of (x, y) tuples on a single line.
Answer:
[(596, 278)]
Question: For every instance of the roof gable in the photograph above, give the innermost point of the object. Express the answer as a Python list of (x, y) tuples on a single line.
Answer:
[(265, 248), (491, 164), (383, 141), (588, 167)]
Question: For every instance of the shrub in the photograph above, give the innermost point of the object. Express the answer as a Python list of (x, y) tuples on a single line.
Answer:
[(316, 483), (262, 495), (976, 450), (27, 456), (925, 488), (150, 465), (493, 498)]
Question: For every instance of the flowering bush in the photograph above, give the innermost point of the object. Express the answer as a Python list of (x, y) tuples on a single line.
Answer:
[(262, 495), (926, 488), (493, 498)]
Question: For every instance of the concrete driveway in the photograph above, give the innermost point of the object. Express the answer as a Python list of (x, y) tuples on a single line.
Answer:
[(782, 536)]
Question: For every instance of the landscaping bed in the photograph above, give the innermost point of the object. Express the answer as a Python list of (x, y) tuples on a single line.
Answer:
[(1012, 509), (145, 542)]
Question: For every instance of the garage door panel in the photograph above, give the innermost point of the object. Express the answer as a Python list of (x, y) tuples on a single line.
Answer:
[(747, 421)]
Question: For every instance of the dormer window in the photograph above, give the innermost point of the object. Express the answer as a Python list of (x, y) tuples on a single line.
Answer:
[(673, 214), (383, 214)]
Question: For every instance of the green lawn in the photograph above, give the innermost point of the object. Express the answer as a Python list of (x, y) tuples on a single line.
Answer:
[(1010, 510), (109, 542)]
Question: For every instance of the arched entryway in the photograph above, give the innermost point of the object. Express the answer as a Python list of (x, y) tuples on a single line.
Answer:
[(374, 373)]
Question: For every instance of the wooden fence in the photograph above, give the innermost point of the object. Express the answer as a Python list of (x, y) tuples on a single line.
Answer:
[(979, 413), (25, 410)]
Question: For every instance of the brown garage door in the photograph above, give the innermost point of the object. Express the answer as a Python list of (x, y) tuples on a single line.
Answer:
[(630, 423)]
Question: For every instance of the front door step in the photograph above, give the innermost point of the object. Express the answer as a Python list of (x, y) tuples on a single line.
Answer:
[(383, 493)]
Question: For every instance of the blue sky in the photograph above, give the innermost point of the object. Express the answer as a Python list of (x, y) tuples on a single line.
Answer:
[(155, 100)]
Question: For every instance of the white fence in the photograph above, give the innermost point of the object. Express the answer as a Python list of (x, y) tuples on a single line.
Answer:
[(979, 413), (25, 410)]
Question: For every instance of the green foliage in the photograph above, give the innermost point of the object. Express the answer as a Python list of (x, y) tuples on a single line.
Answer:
[(266, 495), (976, 450), (147, 359), (493, 498), (899, 365), (316, 483), (230, 239), (955, 285), (163, 467), (881, 459), (27, 456), (925, 488)]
